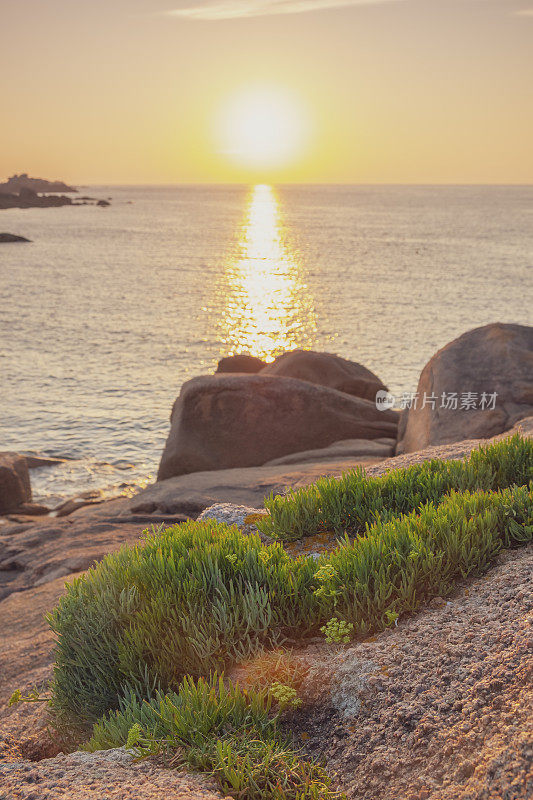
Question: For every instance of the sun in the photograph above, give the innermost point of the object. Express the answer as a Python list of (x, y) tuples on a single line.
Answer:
[(262, 127)]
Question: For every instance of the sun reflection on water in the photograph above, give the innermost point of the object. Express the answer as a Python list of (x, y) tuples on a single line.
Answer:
[(264, 303)]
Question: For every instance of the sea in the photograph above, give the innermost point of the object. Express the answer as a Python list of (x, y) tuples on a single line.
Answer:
[(107, 311)]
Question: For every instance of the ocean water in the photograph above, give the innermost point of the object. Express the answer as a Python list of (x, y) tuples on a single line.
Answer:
[(109, 310)]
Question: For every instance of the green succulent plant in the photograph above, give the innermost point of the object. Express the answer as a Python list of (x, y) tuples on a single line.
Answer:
[(337, 631)]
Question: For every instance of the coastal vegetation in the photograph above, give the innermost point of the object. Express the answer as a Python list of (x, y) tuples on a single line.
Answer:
[(349, 504), (198, 596), (143, 637), (192, 598), (215, 726)]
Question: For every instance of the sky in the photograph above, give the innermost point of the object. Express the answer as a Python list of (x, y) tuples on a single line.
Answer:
[(318, 91)]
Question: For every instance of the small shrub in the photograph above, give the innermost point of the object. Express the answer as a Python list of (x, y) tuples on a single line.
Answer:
[(391, 617), (189, 600), (196, 711), (255, 769), (325, 575)]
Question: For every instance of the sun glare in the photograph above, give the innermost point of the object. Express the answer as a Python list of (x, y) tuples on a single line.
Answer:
[(262, 127), (266, 305)]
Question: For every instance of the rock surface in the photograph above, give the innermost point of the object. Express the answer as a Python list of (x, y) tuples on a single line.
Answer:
[(495, 358), (32, 510), (241, 363), (244, 517), (247, 486), (43, 549), (15, 486), (105, 775), (225, 421), (347, 449), (231, 514), (438, 708), (6, 238), (35, 461), (326, 369), (26, 655)]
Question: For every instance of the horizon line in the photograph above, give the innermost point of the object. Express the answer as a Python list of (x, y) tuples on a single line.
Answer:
[(309, 183)]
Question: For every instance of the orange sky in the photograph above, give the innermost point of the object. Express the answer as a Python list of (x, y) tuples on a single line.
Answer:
[(400, 91)]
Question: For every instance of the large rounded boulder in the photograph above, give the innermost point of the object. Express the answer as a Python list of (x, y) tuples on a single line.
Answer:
[(226, 421), (15, 489), (477, 386), (326, 369)]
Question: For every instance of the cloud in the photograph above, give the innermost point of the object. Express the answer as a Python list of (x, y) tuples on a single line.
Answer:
[(234, 9)]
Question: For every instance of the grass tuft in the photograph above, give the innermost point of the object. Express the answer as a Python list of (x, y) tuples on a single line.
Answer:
[(219, 728), (270, 666), (349, 504)]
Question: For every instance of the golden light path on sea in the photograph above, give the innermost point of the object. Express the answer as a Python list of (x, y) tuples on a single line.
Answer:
[(265, 305)]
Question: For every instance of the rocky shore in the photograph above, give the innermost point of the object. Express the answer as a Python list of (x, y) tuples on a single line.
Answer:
[(434, 708), (446, 680), (27, 198), (254, 428), (237, 437)]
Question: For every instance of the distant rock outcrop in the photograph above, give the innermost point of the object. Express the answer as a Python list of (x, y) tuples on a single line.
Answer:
[(20, 191), (6, 238), (477, 386), (17, 183), (224, 421), (326, 369), (241, 363), (30, 199)]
